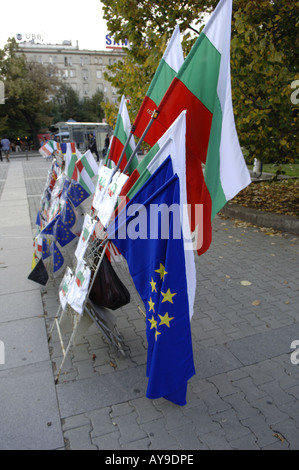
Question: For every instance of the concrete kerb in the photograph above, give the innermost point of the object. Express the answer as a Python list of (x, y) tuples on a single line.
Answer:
[(280, 222)]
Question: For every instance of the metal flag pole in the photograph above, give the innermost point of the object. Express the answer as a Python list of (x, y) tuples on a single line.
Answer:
[(153, 118)]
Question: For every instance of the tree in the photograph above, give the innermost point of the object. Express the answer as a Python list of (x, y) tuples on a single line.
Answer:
[(263, 62), (28, 88), (68, 104)]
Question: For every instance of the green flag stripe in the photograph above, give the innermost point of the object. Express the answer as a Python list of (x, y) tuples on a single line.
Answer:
[(162, 78), (204, 57)]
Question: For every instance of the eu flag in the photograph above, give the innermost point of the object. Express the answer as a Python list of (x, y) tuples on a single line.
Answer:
[(67, 215), (76, 194), (158, 268), (58, 259), (62, 234), (45, 249), (49, 229)]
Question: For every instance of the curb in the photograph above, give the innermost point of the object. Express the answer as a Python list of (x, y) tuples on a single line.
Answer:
[(283, 223)]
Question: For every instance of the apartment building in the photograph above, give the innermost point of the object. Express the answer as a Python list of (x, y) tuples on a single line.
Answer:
[(83, 70)]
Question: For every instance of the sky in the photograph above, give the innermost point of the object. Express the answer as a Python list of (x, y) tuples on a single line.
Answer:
[(56, 21)]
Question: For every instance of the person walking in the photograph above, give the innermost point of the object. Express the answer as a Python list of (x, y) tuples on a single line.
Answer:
[(93, 146), (6, 147)]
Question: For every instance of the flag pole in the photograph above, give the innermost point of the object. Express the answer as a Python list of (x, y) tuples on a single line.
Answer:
[(153, 118)]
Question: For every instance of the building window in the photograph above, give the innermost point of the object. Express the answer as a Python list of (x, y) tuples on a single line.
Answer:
[(99, 74), (85, 74), (72, 73)]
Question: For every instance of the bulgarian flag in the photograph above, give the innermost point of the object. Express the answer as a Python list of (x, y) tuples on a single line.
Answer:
[(121, 132), (170, 64), (203, 88), (71, 156), (86, 168)]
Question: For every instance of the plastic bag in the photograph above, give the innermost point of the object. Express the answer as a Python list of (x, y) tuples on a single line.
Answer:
[(108, 290)]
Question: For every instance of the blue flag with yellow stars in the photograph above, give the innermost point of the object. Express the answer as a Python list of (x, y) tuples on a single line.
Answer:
[(58, 259), (67, 215), (49, 229), (46, 252), (76, 194), (158, 267), (62, 234)]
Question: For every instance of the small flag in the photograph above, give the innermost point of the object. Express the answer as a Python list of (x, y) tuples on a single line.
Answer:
[(87, 169), (62, 234), (49, 229), (58, 259), (76, 194), (121, 132), (46, 252), (39, 274), (67, 215)]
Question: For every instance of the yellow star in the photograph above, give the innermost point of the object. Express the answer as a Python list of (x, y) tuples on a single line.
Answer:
[(161, 271), (157, 334), (153, 284), (165, 320), (151, 305), (153, 322), (167, 297)]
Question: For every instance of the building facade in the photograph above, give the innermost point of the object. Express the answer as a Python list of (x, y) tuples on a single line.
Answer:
[(83, 70)]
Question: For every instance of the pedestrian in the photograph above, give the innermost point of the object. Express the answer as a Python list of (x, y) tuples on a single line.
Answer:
[(93, 146), (18, 147), (6, 147), (107, 143)]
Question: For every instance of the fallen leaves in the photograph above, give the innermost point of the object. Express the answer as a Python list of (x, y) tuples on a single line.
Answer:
[(281, 197), (246, 283)]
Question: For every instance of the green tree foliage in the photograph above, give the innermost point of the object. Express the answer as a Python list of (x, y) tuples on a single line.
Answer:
[(263, 61), (28, 87), (69, 105)]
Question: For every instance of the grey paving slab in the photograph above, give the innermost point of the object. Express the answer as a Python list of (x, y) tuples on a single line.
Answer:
[(29, 413), (100, 391), (25, 342), (20, 305), (260, 347)]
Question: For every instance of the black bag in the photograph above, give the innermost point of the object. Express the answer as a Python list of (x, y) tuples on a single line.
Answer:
[(108, 290)]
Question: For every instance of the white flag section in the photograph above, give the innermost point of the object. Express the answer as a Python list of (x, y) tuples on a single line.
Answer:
[(87, 232), (104, 178), (109, 201), (65, 287), (87, 168), (79, 287)]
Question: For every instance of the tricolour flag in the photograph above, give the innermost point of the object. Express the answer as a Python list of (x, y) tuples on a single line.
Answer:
[(87, 168), (203, 87), (121, 132), (158, 267), (71, 156), (170, 64)]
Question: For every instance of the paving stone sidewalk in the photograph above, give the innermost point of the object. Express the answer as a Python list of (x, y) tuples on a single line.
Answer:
[(246, 389)]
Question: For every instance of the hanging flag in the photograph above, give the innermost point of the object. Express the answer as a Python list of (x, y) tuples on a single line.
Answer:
[(62, 234), (49, 229), (58, 259), (79, 287), (170, 64), (47, 150), (67, 214), (158, 267), (65, 287), (87, 232), (46, 251), (39, 274), (71, 156), (87, 168), (203, 87), (76, 194), (121, 132)]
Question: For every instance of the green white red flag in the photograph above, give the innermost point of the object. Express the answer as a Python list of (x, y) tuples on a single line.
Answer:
[(170, 64), (203, 88), (121, 132), (87, 168)]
